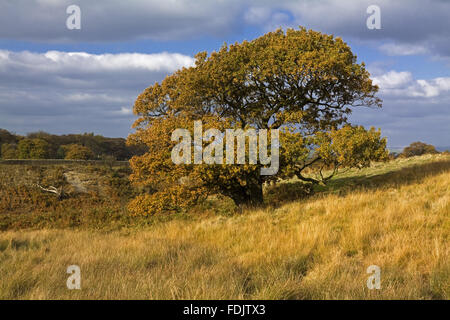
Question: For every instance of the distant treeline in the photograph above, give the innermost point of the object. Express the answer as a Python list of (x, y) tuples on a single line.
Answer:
[(87, 146)]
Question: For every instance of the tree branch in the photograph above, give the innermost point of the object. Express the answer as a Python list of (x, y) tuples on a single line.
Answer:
[(58, 191)]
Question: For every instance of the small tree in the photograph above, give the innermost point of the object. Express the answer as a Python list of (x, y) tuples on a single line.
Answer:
[(33, 149), (418, 148), (9, 151), (78, 152)]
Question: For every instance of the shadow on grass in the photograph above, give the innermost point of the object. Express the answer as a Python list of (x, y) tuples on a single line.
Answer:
[(394, 178), (285, 193)]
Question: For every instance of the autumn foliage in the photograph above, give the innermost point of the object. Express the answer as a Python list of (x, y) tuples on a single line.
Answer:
[(77, 152), (33, 149), (301, 82)]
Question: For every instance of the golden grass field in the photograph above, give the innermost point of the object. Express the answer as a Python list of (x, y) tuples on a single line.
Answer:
[(394, 215)]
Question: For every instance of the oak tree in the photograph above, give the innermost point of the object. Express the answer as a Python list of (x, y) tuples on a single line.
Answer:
[(302, 82)]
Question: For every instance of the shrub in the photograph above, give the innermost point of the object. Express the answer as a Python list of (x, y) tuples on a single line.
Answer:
[(9, 151), (33, 149), (78, 152), (418, 148)]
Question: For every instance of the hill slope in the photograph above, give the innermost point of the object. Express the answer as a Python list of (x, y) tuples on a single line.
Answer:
[(394, 215)]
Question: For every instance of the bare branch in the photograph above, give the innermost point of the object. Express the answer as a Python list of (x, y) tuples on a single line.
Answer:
[(58, 191)]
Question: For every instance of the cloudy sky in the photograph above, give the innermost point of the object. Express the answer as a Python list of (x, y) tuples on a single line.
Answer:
[(74, 81)]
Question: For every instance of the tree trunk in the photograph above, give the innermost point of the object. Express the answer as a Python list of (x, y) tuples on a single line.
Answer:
[(250, 195)]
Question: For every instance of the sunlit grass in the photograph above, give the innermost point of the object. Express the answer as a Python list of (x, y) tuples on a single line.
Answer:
[(394, 215)]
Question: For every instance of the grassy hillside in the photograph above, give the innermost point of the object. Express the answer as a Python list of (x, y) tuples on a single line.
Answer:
[(394, 215)]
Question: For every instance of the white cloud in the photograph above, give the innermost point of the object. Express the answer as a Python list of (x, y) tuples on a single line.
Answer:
[(413, 109), (393, 80), (402, 85), (431, 88), (267, 17), (393, 49), (408, 26), (423, 88), (443, 83), (125, 111), (152, 62), (57, 61), (77, 91), (93, 97), (257, 15)]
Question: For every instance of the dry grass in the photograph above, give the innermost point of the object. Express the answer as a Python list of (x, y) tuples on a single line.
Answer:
[(318, 248)]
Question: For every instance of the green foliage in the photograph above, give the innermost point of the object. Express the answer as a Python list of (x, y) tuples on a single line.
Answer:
[(418, 148)]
